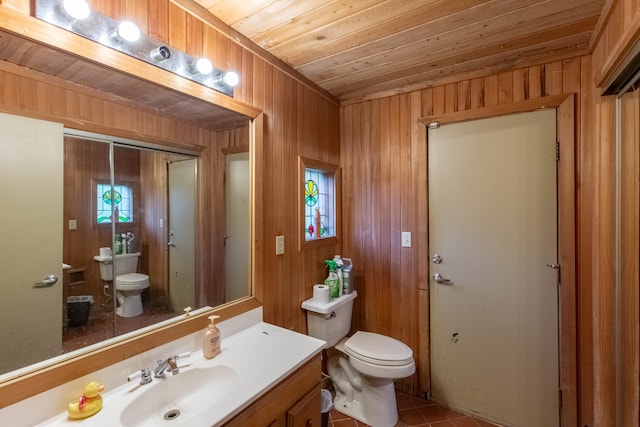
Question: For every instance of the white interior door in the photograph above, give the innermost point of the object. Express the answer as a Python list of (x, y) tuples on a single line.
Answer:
[(493, 222), (32, 199), (182, 218), (238, 226)]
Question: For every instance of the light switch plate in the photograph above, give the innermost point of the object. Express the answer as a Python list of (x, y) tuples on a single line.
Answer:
[(279, 245), (73, 224), (406, 239)]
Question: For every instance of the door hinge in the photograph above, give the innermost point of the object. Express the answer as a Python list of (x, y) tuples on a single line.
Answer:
[(557, 151)]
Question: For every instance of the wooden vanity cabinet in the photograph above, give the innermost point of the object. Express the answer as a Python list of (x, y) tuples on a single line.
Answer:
[(295, 401)]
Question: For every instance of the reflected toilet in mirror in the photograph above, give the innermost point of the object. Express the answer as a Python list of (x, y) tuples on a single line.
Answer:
[(129, 284)]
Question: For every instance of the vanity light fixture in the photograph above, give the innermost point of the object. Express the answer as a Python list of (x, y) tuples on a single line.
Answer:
[(76, 9), (128, 31), (77, 17)]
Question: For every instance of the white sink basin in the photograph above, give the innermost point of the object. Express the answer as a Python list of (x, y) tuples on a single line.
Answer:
[(175, 399)]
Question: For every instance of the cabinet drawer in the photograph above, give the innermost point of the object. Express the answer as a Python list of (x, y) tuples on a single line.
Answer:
[(306, 412)]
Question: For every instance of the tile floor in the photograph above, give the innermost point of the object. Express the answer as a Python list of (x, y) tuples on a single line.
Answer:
[(416, 412)]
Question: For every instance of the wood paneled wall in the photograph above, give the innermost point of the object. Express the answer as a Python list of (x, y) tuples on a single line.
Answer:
[(385, 192), (616, 323), (629, 292)]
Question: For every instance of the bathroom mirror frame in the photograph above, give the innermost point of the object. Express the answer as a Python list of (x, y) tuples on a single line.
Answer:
[(29, 381)]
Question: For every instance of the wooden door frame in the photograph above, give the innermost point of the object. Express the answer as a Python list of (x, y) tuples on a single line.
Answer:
[(567, 300)]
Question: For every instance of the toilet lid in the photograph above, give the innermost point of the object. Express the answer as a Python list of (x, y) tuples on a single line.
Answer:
[(132, 278), (378, 349)]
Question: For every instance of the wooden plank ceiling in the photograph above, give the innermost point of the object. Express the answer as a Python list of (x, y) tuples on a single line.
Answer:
[(358, 48)]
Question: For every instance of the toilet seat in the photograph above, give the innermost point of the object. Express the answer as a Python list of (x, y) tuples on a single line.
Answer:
[(132, 279), (378, 349)]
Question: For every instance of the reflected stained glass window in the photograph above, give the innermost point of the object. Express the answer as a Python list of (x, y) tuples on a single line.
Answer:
[(120, 198), (319, 201)]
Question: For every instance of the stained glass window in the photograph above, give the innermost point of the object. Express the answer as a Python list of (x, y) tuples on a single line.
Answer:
[(120, 198), (319, 204)]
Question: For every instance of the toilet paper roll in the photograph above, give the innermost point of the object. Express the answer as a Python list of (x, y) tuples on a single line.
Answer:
[(321, 294), (105, 251)]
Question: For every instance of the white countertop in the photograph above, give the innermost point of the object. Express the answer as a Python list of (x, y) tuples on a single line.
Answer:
[(261, 355)]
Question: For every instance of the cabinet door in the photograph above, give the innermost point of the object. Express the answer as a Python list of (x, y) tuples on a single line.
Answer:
[(306, 412)]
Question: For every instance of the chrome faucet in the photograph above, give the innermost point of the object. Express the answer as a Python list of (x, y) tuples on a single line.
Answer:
[(144, 374), (169, 364)]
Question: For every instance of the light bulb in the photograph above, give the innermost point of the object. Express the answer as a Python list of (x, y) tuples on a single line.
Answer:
[(203, 66), (77, 9), (128, 31), (231, 78)]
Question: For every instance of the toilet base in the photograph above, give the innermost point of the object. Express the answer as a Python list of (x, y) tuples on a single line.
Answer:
[(375, 405), (129, 305)]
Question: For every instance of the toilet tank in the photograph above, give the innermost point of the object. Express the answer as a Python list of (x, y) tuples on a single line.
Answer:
[(329, 321), (125, 263)]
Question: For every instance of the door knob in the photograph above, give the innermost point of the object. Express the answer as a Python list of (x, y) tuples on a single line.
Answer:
[(439, 278), (47, 281)]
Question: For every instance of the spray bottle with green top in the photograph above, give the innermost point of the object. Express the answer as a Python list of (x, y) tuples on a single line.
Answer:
[(332, 280)]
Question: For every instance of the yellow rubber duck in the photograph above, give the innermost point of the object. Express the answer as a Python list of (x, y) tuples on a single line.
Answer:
[(89, 404)]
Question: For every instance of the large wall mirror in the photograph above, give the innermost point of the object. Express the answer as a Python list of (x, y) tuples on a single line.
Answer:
[(83, 204)]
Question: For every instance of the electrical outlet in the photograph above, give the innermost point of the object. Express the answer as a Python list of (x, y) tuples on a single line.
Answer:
[(279, 245), (406, 239)]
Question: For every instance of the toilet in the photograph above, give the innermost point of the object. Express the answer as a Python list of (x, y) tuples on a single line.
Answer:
[(362, 367), (129, 284)]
